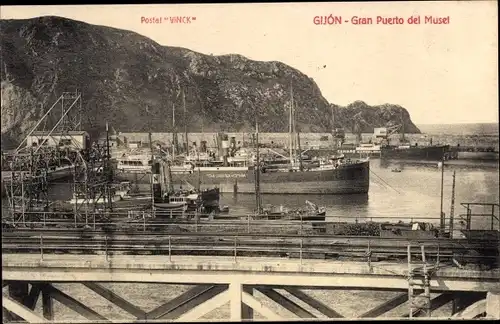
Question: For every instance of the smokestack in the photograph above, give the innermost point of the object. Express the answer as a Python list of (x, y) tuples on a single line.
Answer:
[(203, 146), (225, 148), (155, 169)]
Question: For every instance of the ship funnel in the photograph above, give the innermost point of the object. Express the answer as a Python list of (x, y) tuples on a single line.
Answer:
[(156, 184), (203, 146)]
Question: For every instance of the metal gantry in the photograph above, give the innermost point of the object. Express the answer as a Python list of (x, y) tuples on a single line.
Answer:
[(45, 156)]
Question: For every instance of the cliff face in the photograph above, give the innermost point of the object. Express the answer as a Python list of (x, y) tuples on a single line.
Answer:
[(360, 117), (133, 83)]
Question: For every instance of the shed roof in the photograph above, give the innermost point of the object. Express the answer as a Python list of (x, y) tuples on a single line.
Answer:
[(72, 133)]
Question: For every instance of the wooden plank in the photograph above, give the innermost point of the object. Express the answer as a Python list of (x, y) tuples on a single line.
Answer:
[(247, 312), (33, 296), (74, 304), (202, 309), (194, 302), (436, 302), (285, 302), (473, 310), (258, 307), (18, 291), (169, 306), (235, 292), (20, 310), (47, 303), (385, 307), (319, 306), (115, 299)]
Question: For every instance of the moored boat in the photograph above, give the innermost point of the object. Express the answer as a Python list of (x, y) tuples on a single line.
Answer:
[(423, 153), (345, 176)]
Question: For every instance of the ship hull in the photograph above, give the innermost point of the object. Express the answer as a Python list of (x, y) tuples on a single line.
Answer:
[(52, 175), (484, 156), (350, 179), (429, 153)]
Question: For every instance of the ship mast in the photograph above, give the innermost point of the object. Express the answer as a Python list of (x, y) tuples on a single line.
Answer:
[(109, 170), (152, 172), (185, 121), (174, 132), (291, 126), (301, 165), (402, 128), (333, 130), (257, 168)]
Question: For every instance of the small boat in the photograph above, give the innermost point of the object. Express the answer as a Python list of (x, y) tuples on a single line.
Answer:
[(311, 212), (119, 191), (396, 170)]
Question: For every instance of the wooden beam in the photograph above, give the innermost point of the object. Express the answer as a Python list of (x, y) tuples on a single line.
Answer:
[(436, 302), (387, 306), (18, 291), (204, 308), (33, 296), (74, 304), (285, 302), (235, 292), (47, 303), (258, 307), (464, 299), (493, 305), (194, 302), (247, 312), (319, 306), (168, 307), (115, 299), (20, 310), (473, 310)]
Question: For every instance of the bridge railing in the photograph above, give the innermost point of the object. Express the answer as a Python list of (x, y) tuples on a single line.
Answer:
[(144, 222), (251, 245)]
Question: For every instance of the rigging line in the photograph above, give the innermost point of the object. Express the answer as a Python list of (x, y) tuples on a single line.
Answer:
[(385, 182), (380, 183)]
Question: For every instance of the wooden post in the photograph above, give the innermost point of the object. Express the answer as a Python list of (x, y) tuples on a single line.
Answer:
[(106, 247), (143, 221), (169, 248), (22, 197), (300, 251), (441, 215), (369, 254), (235, 249), (41, 246), (492, 216), (452, 209)]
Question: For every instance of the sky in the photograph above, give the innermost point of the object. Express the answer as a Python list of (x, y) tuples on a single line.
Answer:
[(444, 73)]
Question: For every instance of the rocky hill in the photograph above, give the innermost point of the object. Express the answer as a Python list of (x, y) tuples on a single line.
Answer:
[(133, 83)]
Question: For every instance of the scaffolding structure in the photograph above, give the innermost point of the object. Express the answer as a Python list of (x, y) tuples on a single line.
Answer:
[(63, 151)]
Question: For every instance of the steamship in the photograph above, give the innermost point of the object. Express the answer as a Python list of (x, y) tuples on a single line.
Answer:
[(337, 175), (422, 153)]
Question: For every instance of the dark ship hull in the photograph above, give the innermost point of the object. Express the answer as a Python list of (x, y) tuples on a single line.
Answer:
[(416, 153), (208, 201), (348, 179)]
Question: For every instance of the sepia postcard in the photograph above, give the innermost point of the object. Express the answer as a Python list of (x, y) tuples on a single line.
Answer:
[(250, 161)]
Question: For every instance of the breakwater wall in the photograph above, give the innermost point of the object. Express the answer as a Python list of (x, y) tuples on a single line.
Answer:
[(311, 140)]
